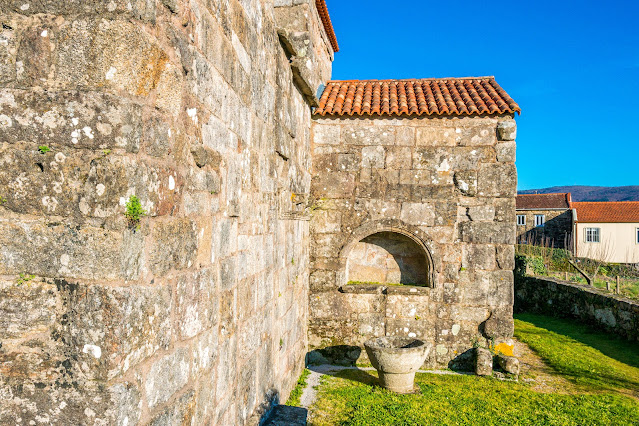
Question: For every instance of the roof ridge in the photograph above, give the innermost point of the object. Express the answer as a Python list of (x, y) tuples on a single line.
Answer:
[(486, 77)]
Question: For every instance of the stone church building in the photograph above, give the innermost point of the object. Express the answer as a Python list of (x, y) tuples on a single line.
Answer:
[(189, 206)]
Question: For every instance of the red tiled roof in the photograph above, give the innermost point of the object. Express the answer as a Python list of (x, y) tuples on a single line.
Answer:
[(432, 96), (543, 201), (607, 211), (328, 25)]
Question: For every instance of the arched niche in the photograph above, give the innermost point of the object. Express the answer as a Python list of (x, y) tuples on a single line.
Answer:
[(387, 258), (385, 253)]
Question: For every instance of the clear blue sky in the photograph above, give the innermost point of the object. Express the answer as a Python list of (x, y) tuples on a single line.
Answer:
[(573, 67)]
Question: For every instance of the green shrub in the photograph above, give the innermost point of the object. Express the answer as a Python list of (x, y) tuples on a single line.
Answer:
[(537, 266), (534, 264)]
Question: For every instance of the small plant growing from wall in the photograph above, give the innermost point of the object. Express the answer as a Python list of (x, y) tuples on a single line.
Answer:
[(43, 149), (134, 212), (2, 200), (24, 278), (475, 343), (315, 204)]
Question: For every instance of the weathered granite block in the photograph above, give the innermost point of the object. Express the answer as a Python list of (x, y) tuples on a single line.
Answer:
[(171, 253), (481, 213), (84, 252), (507, 130), (136, 8), (167, 376), (506, 151), (496, 180), (417, 214), (373, 156), (76, 119), (479, 256), (509, 364), (26, 309), (434, 136), (196, 304), (117, 327), (478, 135), (368, 135), (466, 182), (483, 362), (487, 232), (326, 134)]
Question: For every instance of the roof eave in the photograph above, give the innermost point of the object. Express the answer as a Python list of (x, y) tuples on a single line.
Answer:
[(322, 9)]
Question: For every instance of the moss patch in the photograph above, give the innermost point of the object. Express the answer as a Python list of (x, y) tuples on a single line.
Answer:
[(384, 284)]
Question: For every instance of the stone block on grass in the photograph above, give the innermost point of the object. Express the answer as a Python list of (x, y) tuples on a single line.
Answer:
[(483, 362)]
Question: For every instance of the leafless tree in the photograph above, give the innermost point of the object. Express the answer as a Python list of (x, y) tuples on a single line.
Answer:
[(596, 255)]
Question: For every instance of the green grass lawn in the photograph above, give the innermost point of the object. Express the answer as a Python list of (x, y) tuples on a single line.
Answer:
[(601, 374), (589, 359)]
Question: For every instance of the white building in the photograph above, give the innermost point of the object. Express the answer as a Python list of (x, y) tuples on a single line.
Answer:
[(607, 230)]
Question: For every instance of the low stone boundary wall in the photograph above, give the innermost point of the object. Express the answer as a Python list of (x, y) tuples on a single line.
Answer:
[(559, 298)]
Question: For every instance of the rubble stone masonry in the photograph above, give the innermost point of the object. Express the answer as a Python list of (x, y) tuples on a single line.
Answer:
[(556, 232), (198, 315)]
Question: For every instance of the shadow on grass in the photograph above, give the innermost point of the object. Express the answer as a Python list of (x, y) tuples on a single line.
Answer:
[(615, 347), (349, 373), (575, 351)]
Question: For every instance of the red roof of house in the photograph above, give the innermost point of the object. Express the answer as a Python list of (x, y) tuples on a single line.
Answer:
[(543, 201), (328, 25), (607, 211), (432, 96)]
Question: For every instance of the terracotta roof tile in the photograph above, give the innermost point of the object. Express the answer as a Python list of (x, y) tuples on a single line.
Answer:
[(543, 201), (433, 97), (607, 211), (328, 25)]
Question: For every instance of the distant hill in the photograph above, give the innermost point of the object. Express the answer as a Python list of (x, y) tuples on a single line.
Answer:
[(592, 193)]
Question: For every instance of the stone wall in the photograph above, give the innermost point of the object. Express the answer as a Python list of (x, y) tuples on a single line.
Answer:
[(556, 232), (554, 297), (198, 313), (446, 184)]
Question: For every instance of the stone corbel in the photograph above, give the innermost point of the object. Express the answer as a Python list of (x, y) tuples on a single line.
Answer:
[(298, 47), (507, 130)]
